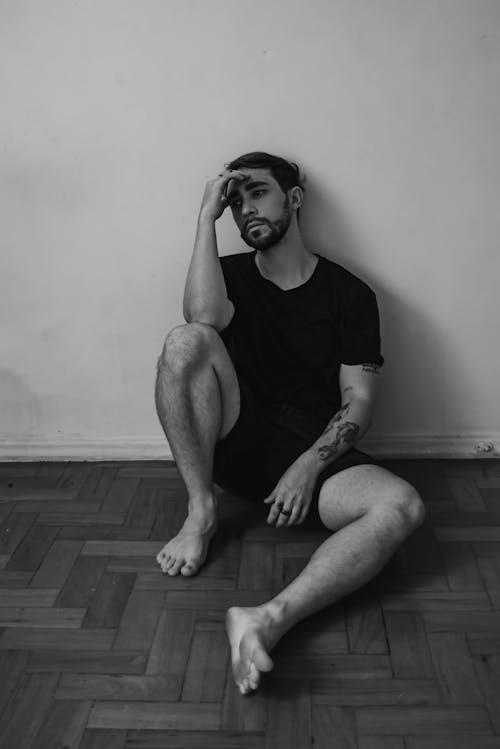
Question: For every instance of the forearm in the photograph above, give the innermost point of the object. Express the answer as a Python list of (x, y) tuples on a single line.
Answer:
[(205, 294), (342, 432)]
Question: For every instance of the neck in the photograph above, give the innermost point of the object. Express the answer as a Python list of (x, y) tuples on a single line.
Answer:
[(289, 262)]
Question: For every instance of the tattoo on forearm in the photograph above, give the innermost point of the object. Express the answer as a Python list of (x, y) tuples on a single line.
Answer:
[(374, 368), (338, 416), (346, 433)]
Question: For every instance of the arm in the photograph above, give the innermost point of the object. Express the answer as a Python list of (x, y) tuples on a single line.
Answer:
[(295, 488), (205, 294), (350, 423)]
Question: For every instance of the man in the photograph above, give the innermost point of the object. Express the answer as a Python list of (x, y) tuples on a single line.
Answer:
[(266, 390)]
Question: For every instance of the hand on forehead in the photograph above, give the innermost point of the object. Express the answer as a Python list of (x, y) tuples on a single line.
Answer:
[(243, 176)]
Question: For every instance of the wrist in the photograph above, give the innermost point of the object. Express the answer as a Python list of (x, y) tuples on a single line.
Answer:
[(206, 218), (312, 461)]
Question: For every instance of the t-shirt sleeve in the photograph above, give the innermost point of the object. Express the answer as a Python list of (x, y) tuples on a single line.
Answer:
[(360, 341)]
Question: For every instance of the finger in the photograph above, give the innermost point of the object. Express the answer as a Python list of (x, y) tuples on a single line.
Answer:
[(274, 512), (293, 519), (228, 174), (286, 513), (303, 513), (270, 498)]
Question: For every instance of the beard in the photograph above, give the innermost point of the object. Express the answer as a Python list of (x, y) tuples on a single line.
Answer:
[(268, 233)]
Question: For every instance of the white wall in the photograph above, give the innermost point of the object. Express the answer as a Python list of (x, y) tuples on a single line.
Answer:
[(114, 114)]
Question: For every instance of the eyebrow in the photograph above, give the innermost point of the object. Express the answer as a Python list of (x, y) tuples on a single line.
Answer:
[(247, 186)]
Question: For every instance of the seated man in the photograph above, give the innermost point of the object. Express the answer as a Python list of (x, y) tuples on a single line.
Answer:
[(265, 391)]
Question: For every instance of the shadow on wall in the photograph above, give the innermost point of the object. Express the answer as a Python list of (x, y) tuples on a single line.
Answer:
[(19, 409), (416, 389)]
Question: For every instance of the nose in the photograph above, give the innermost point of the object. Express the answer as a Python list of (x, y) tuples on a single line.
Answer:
[(248, 208)]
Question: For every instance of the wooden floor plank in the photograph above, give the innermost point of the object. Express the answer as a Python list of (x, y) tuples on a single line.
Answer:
[(205, 673), (12, 667), (256, 566), (461, 566), (139, 620), (455, 742), (381, 742), (32, 549), (102, 531), (120, 687), (26, 711), (488, 669), (63, 726), (155, 715), (96, 738), (28, 597), (57, 564), (330, 721), (359, 692), (14, 528), (109, 600), (289, 715), (422, 720), (82, 581), (87, 662), (365, 625), (455, 671), (38, 638), (170, 649), (192, 740), (30, 616), (409, 650)]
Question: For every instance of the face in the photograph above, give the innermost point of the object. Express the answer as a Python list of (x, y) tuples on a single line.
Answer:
[(260, 208)]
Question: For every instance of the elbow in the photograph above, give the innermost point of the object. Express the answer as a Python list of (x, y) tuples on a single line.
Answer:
[(202, 316)]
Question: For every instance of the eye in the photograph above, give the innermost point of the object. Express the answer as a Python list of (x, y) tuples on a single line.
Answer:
[(258, 193), (235, 204)]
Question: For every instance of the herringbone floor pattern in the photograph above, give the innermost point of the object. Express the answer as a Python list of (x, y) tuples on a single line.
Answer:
[(98, 650)]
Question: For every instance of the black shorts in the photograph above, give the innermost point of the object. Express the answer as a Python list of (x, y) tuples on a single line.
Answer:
[(264, 442)]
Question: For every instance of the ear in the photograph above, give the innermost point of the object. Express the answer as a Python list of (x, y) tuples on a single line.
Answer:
[(296, 196)]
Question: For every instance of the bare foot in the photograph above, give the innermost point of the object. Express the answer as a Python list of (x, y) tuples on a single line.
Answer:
[(186, 552), (252, 634)]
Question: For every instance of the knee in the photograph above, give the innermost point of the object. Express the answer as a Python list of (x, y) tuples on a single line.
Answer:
[(186, 346), (404, 503)]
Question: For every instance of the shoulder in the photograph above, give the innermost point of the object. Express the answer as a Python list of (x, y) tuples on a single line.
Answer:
[(345, 283), (237, 260)]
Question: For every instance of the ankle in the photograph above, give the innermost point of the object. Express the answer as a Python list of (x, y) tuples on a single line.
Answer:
[(202, 512), (276, 613)]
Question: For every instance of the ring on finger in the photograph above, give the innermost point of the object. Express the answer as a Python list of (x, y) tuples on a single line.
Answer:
[(286, 512)]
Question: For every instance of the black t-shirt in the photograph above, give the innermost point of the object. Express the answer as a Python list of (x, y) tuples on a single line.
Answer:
[(288, 345)]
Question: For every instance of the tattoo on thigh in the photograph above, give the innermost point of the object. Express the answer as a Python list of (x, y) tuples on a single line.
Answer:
[(346, 433)]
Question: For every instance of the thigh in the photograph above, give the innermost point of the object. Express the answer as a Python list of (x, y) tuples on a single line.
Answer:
[(350, 494)]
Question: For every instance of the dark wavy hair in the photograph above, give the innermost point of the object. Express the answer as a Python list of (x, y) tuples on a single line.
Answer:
[(286, 173)]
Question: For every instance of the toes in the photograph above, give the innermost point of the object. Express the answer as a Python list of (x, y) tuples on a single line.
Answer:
[(189, 569), (253, 677), (160, 558), (174, 569), (243, 685), (166, 563)]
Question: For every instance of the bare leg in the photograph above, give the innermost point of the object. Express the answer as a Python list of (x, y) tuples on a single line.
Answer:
[(372, 512), (197, 399)]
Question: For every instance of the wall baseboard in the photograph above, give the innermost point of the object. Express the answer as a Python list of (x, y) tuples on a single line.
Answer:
[(156, 448)]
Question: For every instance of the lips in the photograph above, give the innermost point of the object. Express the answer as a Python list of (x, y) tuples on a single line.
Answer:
[(252, 224)]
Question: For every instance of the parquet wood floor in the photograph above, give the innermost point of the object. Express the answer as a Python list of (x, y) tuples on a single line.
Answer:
[(99, 650)]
